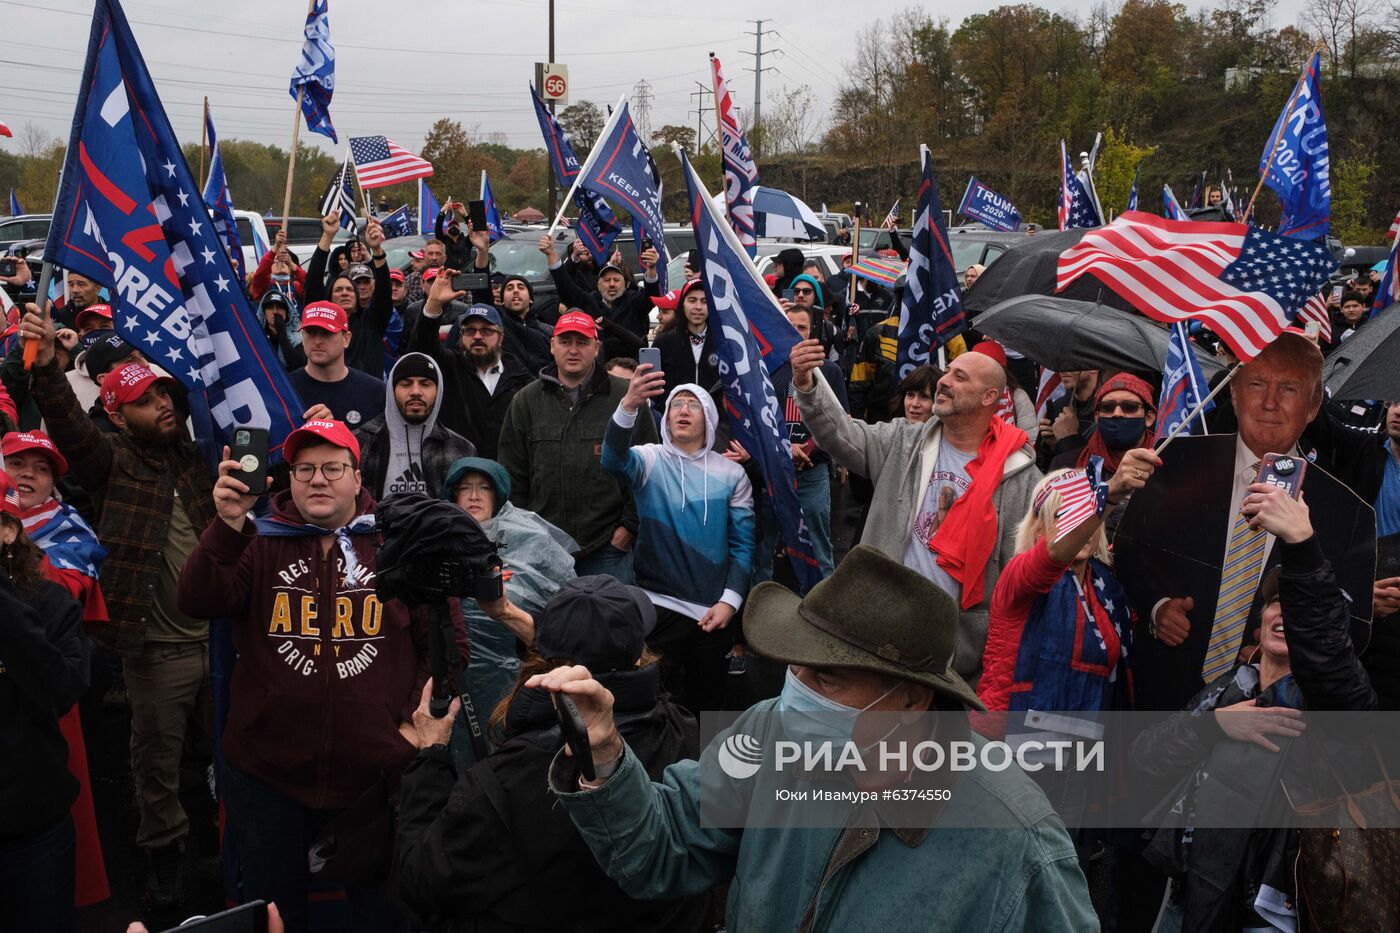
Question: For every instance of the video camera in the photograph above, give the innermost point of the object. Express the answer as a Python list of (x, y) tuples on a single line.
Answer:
[(433, 579)]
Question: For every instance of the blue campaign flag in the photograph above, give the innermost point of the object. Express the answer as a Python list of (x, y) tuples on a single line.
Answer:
[(620, 168), (1132, 192), (740, 171), (756, 339), (1298, 170), (1198, 193), (315, 71), (985, 205), (597, 226), (493, 213), (1077, 208), (15, 209), (1183, 387), (932, 312), (1171, 208), (399, 223), (220, 202), (129, 215), (428, 209)]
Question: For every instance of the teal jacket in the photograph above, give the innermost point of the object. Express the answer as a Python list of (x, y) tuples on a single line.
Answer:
[(649, 838)]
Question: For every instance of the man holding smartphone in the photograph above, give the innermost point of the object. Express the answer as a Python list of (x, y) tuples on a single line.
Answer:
[(623, 312)]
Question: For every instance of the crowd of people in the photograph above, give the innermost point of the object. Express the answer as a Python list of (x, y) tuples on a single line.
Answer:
[(644, 564)]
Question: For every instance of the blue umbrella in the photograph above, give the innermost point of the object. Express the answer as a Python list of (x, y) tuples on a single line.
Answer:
[(779, 214)]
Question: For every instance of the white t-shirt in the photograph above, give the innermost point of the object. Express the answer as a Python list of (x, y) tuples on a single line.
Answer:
[(946, 484)]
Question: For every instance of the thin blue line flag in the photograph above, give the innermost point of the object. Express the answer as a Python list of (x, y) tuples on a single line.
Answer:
[(932, 310), (129, 216), (597, 226), (220, 202), (493, 213), (316, 71), (428, 209), (1183, 387), (1299, 174), (756, 338)]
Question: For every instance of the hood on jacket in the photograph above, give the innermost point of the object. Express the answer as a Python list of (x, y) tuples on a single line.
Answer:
[(711, 420), (406, 440), (493, 471), (293, 312)]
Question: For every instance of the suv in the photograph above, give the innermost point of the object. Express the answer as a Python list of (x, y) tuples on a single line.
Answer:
[(974, 244), (23, 228)]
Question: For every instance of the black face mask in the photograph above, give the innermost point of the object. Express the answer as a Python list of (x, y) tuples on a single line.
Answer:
[(1121, 433)]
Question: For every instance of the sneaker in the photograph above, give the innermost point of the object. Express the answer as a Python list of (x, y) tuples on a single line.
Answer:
[(737, 666), (115, 697), (165, 876)]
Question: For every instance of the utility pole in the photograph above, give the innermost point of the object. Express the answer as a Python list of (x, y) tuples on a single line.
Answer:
[(553, 187), (641, 106), (700, 111), (758, 33)]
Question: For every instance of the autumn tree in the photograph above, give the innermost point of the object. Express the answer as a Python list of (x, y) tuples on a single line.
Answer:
[(583, 122)]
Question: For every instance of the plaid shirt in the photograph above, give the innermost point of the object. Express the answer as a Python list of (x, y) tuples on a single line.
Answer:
[(133, 488)]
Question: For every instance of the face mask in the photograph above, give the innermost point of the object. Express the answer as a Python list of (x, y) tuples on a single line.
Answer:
[(812, 717), (281, 278), (1121, 433)]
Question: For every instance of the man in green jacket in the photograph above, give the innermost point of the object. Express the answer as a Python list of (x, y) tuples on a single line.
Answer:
[(655, 841), (552, 446)]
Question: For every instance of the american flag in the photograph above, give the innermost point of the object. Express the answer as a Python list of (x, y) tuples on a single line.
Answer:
[(11, 499), (892, 218), (1315, 309), (380, 161), (1076, 207), (5, 130), (1244, 283), (1006, 407), (340, 195), (1079, 496), (1394, 228), (1050, 388)]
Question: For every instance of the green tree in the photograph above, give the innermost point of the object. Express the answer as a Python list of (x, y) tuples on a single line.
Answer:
[(684, 136), (1118, 159), (583, 122), (1352, 179)]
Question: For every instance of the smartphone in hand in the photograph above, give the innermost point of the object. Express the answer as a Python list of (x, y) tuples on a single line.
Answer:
[(476, 213), (650, 355), (249, 448), (575, 734), (1283, 470)]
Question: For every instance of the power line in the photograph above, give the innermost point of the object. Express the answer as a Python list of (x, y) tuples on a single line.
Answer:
[(700, 110)]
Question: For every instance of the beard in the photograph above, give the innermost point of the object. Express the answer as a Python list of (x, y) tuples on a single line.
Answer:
[(484, 357)]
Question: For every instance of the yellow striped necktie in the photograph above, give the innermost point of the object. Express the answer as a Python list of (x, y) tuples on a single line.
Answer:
[(1238, 582)]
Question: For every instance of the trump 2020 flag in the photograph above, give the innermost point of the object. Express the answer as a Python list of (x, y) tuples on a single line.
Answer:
[(597, 226), (220, 202), (428, 210), (756, 338), (620, 167), (15, 209), (932, 312), (399, 223), (493, 213), (129, 215), (1077, 207), (986, 206), (1183, 387), (740, 172), (315, 71), (1298, 171)]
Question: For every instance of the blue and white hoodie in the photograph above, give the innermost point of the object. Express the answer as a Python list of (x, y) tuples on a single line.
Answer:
[(695, 533)]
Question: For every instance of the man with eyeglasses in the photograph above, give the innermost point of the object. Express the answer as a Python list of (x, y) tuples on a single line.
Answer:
[(327, 677), (481, 378)]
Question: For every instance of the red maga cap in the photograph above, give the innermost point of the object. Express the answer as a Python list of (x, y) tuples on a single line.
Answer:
[(127, 384), (326, 315), (576, 322), (317, 432), (18, 442)]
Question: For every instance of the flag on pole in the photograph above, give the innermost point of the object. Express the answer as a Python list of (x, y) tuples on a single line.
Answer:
[(931, 313), (892, 218), (597, 226), (1198, 193), (1050, 388), (740, 171), (493, 213), (1244, 283), (5, 130), (15, 209), (1227, 198), (428, 210), (399, 223), (379, 161), (1080, 496), (1294, 162), (1183, 387), (985, 206), (1076, 206), (1315, 310), (315, 71), (876, 269), (1132, 192), (1389, 234), (220, 202), (340, 195), (1171, 207), (1386, 288), (129, 215), (756, 339)]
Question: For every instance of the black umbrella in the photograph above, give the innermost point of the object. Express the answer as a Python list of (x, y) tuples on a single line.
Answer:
[(1367, 364), (1028, 268), (1065, 335)]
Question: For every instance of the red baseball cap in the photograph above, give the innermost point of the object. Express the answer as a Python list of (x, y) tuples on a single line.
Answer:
[(326, 315), (317, 432), (9, 496), (102, 311), (687, 288), (669, 301), (430, 273), (991, 348), (18, 442), (395, 275), (576, 322), (127, 384), (415, 254)]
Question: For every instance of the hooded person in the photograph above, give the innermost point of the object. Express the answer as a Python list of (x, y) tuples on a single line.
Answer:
[(279, 315), (405, 449), (695, 532), (792, 260), (1124, 417)]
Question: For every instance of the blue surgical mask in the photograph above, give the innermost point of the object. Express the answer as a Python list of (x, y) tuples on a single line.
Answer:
[(813, 717), (1121, 433)]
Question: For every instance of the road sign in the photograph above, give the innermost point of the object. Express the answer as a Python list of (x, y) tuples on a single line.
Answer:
[(552, 81)]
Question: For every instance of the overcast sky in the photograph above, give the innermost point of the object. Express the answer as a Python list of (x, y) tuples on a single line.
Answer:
[(403, 64)]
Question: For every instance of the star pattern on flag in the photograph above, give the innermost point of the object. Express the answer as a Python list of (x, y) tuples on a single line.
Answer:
[(1284, 268)]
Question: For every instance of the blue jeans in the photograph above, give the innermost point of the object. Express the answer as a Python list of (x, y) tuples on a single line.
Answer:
[(273, 834), (36, 881), (607, 559), (814, 496)]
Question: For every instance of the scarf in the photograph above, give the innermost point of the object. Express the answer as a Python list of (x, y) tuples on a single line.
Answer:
[(277, 527), (965, 540), (63, 536)]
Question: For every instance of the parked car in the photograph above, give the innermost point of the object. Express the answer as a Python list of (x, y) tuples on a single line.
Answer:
[(304, 233), (23, 227), (975, 244), (519, 254)]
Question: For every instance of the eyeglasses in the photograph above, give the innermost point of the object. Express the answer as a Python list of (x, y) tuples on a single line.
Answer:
[(1131, 409), (478, 331), (305, 472), (687, 405), (803, 291)]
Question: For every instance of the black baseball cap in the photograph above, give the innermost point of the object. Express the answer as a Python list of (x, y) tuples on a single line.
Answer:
[(597, 622), (107, 351)]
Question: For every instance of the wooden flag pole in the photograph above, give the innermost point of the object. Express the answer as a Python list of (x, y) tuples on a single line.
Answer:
[(296, 136), (203, 141), (855, 258), (1283, 128)]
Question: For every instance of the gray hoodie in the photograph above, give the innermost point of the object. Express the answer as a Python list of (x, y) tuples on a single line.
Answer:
[(406, 461)]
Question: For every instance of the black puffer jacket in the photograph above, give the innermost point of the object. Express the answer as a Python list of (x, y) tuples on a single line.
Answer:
[(492, 850)]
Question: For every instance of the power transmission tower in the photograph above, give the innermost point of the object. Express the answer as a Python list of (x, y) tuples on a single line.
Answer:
[(758, 33), (700, 110), (641, 106)]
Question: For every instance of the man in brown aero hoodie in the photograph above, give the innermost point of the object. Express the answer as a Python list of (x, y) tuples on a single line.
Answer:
[(326, 673)]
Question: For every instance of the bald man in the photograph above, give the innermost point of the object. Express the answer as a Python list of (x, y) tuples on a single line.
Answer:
[(928, 510)]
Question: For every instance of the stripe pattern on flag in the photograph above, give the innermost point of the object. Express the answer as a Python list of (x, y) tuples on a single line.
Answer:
[(1080, 498), (884, 271), (1244, 283), (380, 161)]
